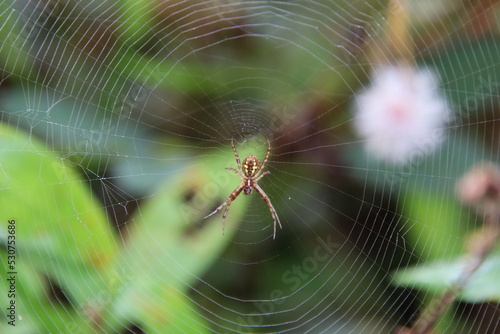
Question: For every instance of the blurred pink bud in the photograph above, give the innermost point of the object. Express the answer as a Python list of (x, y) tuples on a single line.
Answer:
[(480, 188)]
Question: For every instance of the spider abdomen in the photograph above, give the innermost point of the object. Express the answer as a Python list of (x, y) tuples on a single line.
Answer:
[(251, 166)]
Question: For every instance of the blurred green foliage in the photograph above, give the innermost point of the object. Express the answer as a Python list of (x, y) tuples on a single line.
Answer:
[(439, 276), (63, 237), (83, 97)]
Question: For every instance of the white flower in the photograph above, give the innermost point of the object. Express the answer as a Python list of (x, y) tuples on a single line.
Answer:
[(402, 114)]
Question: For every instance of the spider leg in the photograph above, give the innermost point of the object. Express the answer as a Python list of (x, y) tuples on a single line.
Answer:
[(216, 210), (261, 175), (227, 202), (261, 168), (234, 170), (224, 217), (267, 155), (271, 207), (236, 154)]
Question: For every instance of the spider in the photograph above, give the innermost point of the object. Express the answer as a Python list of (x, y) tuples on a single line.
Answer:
[(250, 173)]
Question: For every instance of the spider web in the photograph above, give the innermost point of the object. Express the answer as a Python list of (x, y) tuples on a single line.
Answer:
[(136, 95)]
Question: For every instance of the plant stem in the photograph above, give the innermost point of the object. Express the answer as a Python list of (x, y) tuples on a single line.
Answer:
[(481, 247)]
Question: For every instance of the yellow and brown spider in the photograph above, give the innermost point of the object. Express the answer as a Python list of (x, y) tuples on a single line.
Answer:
[(250, 173)]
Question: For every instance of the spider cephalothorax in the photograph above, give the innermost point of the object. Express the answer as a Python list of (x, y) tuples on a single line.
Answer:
[(250, 172)]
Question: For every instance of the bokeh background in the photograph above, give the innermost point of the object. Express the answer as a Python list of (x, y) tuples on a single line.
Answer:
[(116, 126)]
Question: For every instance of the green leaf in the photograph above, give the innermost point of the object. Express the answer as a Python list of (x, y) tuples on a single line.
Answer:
[(35, 313), (438, 276), (170, 245), (61, 230)]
